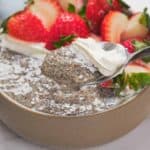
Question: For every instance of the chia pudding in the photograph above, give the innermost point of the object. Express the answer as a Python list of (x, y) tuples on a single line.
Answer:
[(53, 85)]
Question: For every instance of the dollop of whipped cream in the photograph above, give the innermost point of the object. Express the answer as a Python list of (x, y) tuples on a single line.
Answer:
[(37, 50), (107, 59)]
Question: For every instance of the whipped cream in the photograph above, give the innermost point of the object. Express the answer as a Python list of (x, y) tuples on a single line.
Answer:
[(106, 61), (27, 48)]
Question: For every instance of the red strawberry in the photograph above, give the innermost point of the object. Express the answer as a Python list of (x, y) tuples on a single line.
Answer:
[(141, 63), (97, 9), (95, 12), (107, 84), (113, 26), (120, 5), (46, 10), (67, 24), (135, 44), (34, 22), (137, 68), (25, 26), (129, 45)]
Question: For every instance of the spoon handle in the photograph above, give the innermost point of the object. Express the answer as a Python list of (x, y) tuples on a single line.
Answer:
[(140, 54)]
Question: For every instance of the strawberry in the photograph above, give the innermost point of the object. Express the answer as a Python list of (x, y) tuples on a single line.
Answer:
[(25, 26), (95, 12), (129, 45), (33, 23), (75, 4), (137, 68), (141, 63), (120, 5), (46, 10), (135, 28), (107, 84), (97, 9), (113, 26), (135, 44), (66, 27)]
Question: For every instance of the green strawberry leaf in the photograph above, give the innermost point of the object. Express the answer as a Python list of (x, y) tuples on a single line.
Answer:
[(145, 19), (139, 45), (124, 4), (71, 8), (29, 2), (4, 25), (110, 2), (63, 40), (146, 59), (82, 12), (135, 81)]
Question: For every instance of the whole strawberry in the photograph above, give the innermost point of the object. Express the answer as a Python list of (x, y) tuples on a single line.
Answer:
[(65, 29)]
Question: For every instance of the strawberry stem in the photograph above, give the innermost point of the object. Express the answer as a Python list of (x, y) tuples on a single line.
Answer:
[(64, 40)]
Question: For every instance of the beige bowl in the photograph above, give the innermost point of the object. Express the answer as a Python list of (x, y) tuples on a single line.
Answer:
[(74, 131)]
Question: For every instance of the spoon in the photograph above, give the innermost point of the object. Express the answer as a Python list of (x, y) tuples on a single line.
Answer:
[(130, 57)]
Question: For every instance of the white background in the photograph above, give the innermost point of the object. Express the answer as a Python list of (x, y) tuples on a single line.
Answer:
[(138, 139)]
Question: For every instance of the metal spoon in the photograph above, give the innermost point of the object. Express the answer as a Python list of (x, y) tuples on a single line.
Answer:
[(109, 46)]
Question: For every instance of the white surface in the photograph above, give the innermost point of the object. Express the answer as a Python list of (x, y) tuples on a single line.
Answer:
[(138, 139)]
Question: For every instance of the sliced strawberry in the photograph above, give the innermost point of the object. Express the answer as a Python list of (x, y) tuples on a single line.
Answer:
[(25, 26), (135, 28), (141, 63), (97, 9), (107, 84), (137, 68), (46, 10), (67, 24), (77, 4), (113, 26)]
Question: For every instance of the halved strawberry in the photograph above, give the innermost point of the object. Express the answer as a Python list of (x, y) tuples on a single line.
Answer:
[(135, 28), (141, 63), (77, 4), (46, 10), (97, 9), (113, 26), (25, 26), (66, 27), (34, 23), (137, 68)]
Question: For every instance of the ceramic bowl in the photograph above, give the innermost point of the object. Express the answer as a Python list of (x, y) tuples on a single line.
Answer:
[(81, 131)]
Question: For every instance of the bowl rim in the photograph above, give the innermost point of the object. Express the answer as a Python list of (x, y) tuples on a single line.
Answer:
[(17, 104)]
